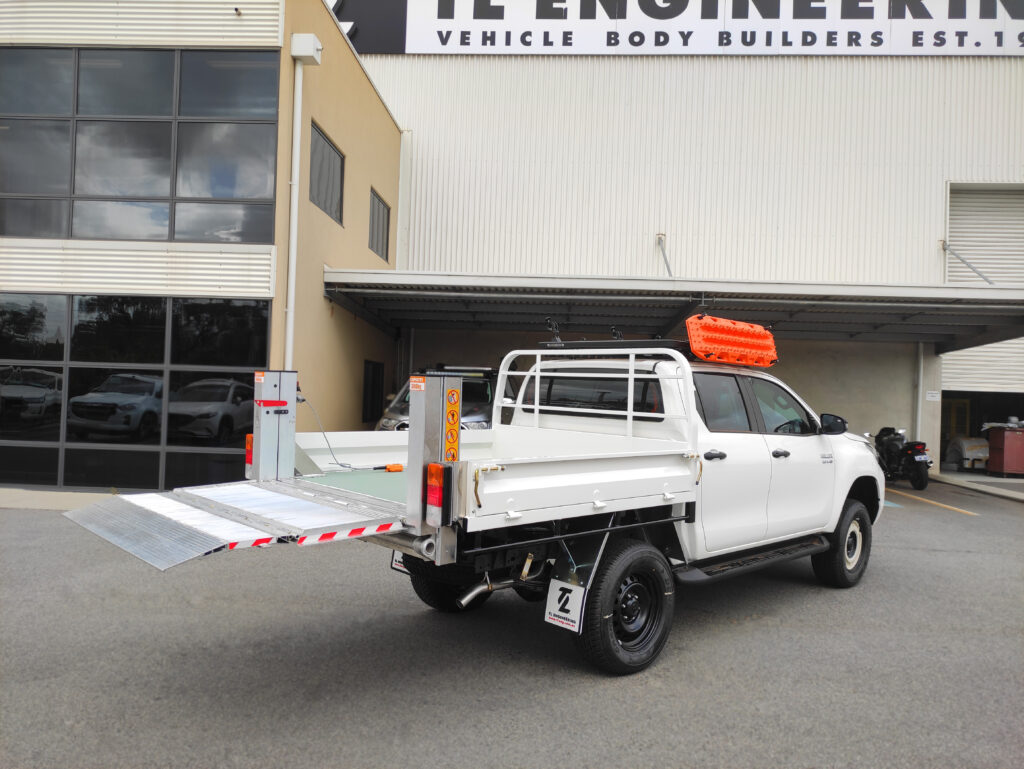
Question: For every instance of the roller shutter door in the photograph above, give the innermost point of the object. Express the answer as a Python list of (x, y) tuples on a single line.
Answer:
[(986, 227)]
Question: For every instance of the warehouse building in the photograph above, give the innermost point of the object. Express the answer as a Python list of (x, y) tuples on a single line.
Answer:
[(191, 191), (149, 153)]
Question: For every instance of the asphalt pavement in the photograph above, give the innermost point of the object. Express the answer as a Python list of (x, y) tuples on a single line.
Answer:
[(324, 657)]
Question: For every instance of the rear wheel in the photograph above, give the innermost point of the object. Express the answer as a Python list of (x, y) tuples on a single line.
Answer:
[(443, 596), (628, 614), (919, 475), (439, 587), (845, 562)]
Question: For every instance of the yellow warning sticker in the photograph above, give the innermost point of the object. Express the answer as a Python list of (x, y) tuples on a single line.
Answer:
[(452, 413)]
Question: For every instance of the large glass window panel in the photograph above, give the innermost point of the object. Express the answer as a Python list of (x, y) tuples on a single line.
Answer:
[(112, 469), (219, 332), (33, 326), (225, 160), (115, 159), (239, 84), (101, 219), (224, 222), (114, 405), (26, 218), (35, 81), (201, 469), (125, 82), (30, 401), (21, 465), (35, 157), (118, 329), (210, 408)]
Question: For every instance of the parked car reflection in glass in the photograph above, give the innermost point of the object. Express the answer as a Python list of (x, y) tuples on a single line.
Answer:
[(125, 406), (216, 411), (29, 403)]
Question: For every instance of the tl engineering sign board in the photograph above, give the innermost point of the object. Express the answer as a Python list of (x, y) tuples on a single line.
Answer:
[(681, 27)]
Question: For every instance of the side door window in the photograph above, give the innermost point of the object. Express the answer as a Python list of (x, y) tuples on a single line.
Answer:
[(781, 412), (720, 403)]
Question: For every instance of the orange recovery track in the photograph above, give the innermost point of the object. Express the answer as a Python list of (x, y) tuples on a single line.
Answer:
[(731, 341)]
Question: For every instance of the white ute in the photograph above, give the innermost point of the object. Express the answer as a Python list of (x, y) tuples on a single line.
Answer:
[(621, 471)]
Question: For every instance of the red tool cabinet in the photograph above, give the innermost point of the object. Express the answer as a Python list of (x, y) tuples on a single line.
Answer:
[(1005, 450)]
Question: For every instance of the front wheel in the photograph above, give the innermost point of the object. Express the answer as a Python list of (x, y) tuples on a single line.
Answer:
[(845, 562), (919, 475), (628, 614)]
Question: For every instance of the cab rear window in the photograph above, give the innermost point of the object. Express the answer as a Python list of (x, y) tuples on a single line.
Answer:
[(571, 390)]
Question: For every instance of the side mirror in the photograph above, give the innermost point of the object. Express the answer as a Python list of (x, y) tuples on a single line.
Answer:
[(833, 425)]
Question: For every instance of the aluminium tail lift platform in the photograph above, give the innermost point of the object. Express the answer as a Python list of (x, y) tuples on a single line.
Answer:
[(166, 529)]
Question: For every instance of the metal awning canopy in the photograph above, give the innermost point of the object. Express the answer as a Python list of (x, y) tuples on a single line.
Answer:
[(952, 317)]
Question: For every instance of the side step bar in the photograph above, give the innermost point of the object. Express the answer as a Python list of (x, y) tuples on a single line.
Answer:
[(709, 571)]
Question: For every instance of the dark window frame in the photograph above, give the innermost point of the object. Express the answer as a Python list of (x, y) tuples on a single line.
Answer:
[(317, 131), (753, 404), (172, 199), (376, 204), (752, 417)]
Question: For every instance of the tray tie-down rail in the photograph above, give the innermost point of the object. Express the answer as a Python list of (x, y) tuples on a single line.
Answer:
[(169, 528)]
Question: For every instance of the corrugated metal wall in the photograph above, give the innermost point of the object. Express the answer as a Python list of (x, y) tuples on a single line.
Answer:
[(986, 227), (990, 368), (47, 266), (788, 168), (141, 22)]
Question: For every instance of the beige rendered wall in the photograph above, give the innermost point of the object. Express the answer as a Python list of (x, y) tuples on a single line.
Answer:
[(871, 385), (331, 344)]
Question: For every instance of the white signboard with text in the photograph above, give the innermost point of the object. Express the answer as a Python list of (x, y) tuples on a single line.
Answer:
[(717, 27)]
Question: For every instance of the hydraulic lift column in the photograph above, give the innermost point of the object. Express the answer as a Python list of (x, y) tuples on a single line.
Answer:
[(273, 439), (435, 408)]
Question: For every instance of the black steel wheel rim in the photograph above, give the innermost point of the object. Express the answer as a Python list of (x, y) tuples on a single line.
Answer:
[(637, 611)]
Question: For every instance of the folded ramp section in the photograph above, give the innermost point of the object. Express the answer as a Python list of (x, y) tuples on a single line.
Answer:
[(308, 512), (163, 531)]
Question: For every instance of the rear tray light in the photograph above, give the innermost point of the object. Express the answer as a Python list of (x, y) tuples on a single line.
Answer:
[(438, 494)]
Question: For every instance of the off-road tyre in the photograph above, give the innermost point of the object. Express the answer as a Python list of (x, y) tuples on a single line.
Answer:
[(439, 587), (845, 562), (443, 596), (530, 595), (919, 475), (628, 613)]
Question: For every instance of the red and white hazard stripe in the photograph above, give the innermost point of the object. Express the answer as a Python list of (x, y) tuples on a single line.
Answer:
[(262, 542), (336, 536)]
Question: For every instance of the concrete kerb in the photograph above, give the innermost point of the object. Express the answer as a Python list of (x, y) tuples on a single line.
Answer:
[(40, 499), (981, 488)]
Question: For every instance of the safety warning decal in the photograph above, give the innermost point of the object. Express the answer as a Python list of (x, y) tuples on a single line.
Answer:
[(259, 376), (418, 383), (452, 413)]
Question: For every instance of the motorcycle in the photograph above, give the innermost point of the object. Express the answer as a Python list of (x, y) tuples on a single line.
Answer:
[(902, 459)]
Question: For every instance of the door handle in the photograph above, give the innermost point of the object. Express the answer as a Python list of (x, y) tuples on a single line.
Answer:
[(779, 453), (714, 454)]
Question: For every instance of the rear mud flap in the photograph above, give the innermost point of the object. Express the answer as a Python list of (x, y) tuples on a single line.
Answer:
[(570, 580)]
